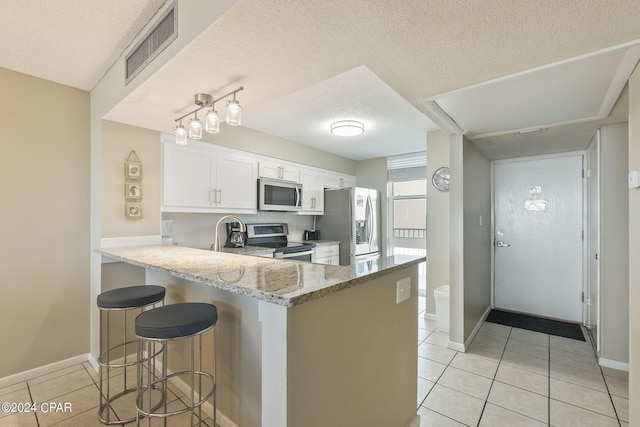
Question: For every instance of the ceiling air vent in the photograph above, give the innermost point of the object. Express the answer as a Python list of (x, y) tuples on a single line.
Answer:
[(149, 47)]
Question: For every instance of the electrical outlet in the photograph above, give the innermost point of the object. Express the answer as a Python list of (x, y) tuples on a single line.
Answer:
[(403, 289)]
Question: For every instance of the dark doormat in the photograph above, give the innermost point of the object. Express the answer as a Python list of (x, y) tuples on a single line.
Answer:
[(537, 324)]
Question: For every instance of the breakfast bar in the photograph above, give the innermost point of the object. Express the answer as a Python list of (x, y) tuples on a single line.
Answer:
[(299, 344)]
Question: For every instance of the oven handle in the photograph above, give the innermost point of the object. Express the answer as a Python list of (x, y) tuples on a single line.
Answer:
[(292, 254)]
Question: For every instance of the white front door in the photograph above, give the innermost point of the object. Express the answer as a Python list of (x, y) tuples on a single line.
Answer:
[(538, 236)]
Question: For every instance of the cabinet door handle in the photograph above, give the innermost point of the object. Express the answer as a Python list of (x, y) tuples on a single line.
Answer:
[(212, 200), (220, 195)]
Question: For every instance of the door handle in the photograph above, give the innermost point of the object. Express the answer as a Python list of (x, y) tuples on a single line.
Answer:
[(501, 244)]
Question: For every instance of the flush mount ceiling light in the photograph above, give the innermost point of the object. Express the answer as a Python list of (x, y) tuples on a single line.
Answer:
[(212, 122), (347, 128)]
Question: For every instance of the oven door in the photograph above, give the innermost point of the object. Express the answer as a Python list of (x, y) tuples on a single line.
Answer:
[(275, 195), (298, 256)]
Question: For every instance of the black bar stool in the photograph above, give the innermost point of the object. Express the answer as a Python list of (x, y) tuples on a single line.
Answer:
[(172, 323), (122, 300)]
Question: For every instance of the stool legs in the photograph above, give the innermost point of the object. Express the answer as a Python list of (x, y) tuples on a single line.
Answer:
[(107, 364), (146, 407)]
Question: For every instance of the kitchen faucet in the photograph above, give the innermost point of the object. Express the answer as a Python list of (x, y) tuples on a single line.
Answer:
[(216, 240)]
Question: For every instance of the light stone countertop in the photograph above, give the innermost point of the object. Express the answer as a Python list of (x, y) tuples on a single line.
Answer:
[(283, 282)]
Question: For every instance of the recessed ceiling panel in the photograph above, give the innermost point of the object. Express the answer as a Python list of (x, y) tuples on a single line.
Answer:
[(573, 91), (391, 124)]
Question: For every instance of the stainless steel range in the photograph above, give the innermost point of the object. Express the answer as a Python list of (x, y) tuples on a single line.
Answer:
[(274, 235)]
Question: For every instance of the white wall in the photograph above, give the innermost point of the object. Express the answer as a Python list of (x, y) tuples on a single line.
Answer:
[(437, 218), (634, 251), (614, 243)]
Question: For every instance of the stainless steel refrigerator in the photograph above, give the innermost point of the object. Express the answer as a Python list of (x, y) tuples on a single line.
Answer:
[(352, 216)]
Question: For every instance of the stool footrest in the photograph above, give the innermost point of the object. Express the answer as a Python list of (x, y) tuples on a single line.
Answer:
[(187, 408)]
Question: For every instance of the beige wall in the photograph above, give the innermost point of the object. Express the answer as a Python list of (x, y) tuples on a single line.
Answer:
[(117, 142), (477, 237), (373, 174), (437, 218), (44, 181), (634, 251), (614, 243), (456, 241), (241, 138)]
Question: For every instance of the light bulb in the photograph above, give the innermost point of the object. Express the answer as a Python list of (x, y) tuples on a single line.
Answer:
[(234, 112), (212, 125), (195, 128), (181, 135)]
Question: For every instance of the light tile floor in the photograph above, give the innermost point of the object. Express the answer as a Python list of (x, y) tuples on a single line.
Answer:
[(78, 386), (513, 377), (508, 377)]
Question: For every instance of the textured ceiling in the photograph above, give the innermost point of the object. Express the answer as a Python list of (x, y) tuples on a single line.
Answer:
[(283, 49), (415, 49), (72, 42)]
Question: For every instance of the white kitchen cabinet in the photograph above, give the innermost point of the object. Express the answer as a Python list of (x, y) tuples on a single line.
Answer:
[(327, 254), (236, 182), (200, 178), (278, 170), (338, 181), (312, 192)]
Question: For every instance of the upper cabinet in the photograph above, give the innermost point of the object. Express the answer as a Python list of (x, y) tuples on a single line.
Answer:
[(312, 191), (338, 181), (279, 170), (200, 178)]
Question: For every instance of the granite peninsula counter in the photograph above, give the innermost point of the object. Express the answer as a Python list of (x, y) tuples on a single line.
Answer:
[(286, 283), (299, 344)]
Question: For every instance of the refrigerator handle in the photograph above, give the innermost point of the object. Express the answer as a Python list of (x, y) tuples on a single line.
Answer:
[(369, 214)]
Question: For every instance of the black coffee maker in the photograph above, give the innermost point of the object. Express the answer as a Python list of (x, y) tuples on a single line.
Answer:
[(235, 237)]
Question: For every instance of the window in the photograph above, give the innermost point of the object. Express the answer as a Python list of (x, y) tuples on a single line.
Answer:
[(407, 189), (410, 209)]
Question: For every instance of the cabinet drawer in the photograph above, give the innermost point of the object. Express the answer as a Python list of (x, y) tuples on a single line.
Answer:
[(333, 260), (327, 251)]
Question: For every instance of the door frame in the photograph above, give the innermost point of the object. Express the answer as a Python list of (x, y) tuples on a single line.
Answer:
[(592, 282), (585, 247)]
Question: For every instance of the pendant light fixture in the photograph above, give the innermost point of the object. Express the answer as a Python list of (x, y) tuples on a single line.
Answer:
[(181, 134), (212, 125), (195, 128), (212, 121), (347, 128), (234, 112)]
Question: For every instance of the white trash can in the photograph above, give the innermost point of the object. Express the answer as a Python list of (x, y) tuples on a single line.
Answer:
[(441, 295)]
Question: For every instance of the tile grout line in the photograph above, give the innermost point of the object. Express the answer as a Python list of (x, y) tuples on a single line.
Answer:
[(494, 379), (604, 378), (31, 397)]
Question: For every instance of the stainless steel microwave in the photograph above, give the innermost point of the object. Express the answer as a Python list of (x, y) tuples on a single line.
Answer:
[(276, 195)]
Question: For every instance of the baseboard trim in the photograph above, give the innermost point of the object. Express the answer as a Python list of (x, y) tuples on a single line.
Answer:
[(456, 346), (430, 316), (42, 370), (94, 363), (463, 347), (475, 331), (415, 422), (614, 364)]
